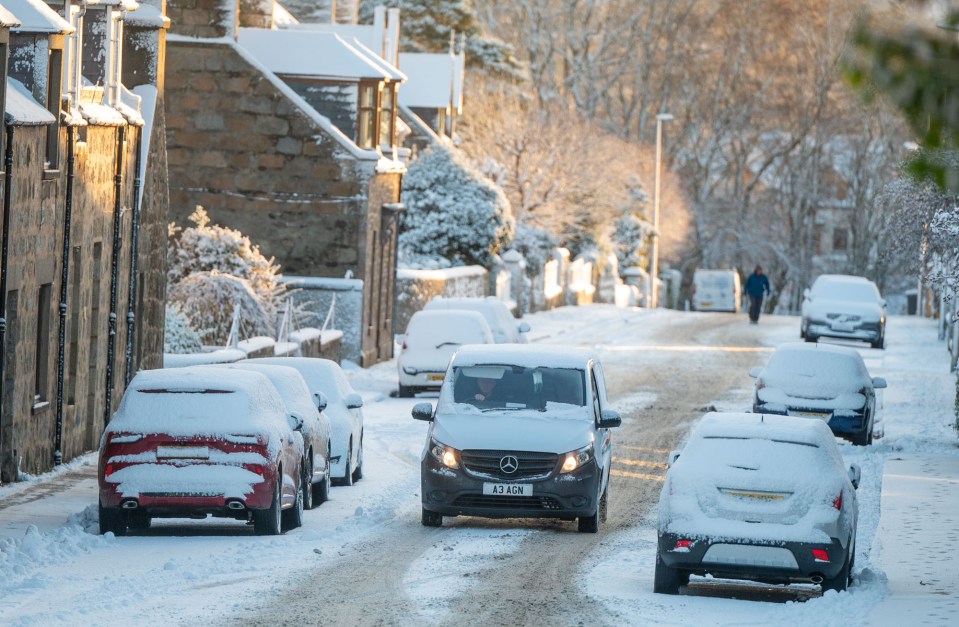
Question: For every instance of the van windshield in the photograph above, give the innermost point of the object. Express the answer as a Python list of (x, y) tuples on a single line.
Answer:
[(498, 387)]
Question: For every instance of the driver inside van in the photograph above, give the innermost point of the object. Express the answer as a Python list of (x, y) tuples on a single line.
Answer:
[(486, 388)]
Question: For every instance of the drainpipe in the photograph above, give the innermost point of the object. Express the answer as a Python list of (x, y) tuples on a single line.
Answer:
[(114, 274), (4, 246), (64, 280), (134, 238)]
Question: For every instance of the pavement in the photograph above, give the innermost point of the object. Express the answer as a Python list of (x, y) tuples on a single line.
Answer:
[(917, 537)]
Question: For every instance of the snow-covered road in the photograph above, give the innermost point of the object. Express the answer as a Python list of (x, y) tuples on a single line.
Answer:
[(363, 557)]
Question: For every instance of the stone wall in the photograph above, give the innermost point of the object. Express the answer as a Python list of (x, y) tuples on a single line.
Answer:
[(415, 288), (331, 304)]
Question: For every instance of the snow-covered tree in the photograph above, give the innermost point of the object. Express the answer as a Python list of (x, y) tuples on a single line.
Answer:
[(213, 269), (633, 229), (209, 299), (179, 336), (454, 215), (535, 245)]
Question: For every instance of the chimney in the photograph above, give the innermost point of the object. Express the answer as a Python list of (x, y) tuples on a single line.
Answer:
[(391, 41), (256, 13), (204, 19)]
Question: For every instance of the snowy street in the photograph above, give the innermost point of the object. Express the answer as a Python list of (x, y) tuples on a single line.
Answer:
[(364, 558)]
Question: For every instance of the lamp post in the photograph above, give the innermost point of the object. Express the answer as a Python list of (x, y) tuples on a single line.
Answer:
[(654, 261)]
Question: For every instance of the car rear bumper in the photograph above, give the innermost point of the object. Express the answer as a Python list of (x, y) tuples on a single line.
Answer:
[(424, 380), (455, 493), (773, 562), (842, 423)]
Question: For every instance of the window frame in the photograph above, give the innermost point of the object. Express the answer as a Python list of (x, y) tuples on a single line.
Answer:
[(367, 115)]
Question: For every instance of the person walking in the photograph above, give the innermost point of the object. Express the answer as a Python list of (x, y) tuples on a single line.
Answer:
[(757, 286)]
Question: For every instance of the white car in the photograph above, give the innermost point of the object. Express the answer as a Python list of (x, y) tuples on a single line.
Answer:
[(716, 290), (344, 408), (519, 432), (757, 497), (308, 407), (506, 329), (431, 339), (843, 306)]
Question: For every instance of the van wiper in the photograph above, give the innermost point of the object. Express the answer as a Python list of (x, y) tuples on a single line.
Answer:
[(447, 344)]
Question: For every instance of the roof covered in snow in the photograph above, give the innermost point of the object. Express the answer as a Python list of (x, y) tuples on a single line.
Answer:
[(22, 109), (315, 54), (36, 17), (435, 80), (7, 18)]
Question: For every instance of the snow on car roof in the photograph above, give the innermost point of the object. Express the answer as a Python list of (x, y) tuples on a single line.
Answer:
[(288, 382), (200, 400), (763, 427), (321, 375), (449, 324), (525, 355), (817, 368)]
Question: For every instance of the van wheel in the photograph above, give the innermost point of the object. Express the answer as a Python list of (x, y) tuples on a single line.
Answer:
[(321, 491), (589, 524), (347, 478), (358, 471), (432, 519), (293, 517), (306, 483)]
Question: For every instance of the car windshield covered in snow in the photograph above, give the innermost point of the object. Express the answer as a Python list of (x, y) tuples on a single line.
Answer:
[(518, 387), (846, 289), (815, 372)]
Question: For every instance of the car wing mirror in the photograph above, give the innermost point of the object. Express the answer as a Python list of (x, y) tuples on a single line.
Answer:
[(523, 327), (878, 383), (673, 456), (855, 474), (423, 411), (609, 418), (807, 294), (755, 371), (353, 401), (295, 422), (319, 399)]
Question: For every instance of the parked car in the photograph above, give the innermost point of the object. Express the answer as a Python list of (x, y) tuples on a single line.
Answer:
[(716, 290), (843, 306), (821, 381), (757, 497), (431, 337), (316, 426), (344, 409), (506, 329), (519, 431), (197, 441)]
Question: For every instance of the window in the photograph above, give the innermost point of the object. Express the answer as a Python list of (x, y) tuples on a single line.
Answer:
[(387, 117), (42, 362), (840, 239), (74, 328), (54, 84), (366, 118)]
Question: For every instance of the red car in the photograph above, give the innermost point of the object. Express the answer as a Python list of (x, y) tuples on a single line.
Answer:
[(199, 441)]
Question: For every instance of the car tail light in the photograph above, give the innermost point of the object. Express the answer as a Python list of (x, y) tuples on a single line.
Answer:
[(820, 555), (682, 546), (837, 502), (404, 345), (108, 470)]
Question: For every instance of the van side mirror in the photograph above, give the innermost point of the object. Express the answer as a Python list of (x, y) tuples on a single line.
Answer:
[(609, 419), (878, 383), (295, 422), (353, 401), (755, 371), (319, 398), (523, 327), (423, 411), (807, 294)]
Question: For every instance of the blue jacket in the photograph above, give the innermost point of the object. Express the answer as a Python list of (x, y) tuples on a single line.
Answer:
[(757, 285)]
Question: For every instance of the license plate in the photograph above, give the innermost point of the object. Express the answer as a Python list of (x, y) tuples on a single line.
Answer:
[(810, 414), (183, 452), (508, 489), (842, 328), (434, 377), (706, 303)]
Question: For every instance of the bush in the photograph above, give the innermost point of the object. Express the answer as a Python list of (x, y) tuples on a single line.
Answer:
[(209, 299), (179, 336)]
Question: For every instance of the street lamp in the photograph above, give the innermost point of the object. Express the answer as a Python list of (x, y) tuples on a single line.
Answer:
[(654, 261)]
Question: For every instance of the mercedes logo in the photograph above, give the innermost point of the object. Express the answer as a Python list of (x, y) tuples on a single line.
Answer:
[(509, 464)]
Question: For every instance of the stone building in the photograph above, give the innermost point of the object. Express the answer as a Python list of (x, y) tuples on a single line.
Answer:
[(288, 145), (84, 222)]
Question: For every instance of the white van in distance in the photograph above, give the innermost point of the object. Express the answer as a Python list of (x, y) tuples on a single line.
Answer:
[(716, 290)]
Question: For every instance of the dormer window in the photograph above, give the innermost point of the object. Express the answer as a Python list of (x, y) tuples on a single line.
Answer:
[(102, 48), (366, 123)]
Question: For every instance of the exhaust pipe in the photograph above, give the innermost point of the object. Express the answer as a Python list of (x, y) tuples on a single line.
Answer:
[(129, 504), (816, 579), (236, 505)]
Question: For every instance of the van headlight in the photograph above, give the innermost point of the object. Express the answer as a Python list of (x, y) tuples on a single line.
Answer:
[(446, 455), (577, 459)]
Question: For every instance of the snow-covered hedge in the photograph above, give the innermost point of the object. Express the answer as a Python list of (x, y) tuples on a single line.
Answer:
[(454, 215), (179, 336), (211, 297)]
